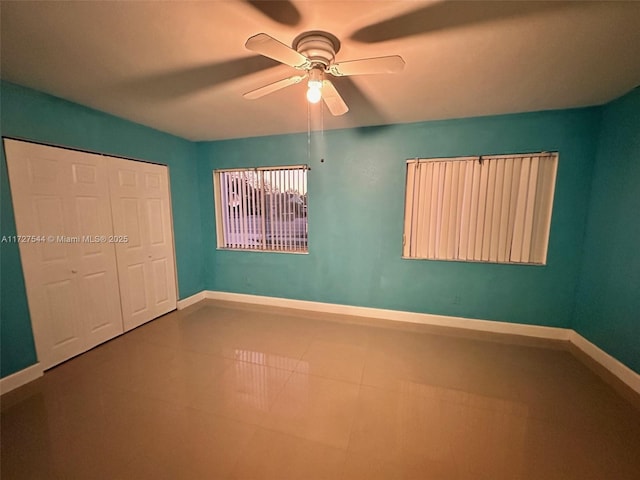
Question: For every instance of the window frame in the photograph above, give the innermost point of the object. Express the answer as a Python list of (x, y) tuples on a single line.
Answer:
[(287, 235)]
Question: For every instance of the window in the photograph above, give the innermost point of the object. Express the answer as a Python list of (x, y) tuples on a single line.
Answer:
[(482, 209), (262, 208)]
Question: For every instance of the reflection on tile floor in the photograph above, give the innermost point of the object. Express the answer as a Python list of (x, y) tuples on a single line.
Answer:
[(216, 392)]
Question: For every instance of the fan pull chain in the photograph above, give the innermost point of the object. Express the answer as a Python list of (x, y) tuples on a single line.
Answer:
[(322, 124), (308, 133)]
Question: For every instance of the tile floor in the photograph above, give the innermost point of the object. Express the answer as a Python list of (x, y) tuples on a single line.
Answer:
[(216, 391)]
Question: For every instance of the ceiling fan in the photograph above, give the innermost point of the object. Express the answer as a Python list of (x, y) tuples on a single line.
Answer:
[(314, 53), (319, 49)]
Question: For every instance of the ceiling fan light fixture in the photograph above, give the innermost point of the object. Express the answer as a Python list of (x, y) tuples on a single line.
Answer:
[(314, 93)]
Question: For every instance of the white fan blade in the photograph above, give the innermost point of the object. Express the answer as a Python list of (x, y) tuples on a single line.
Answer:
[(367, 66), (272, 48), (332, 98), (272, 87)]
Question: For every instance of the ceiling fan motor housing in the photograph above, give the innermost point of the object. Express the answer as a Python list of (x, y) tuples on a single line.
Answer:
[(319, 47)]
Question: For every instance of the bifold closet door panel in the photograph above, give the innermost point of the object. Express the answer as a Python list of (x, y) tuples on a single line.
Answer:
[(141, 210), (63, 218)]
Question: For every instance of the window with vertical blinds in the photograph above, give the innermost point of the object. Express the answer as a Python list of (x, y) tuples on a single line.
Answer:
[(262, 208), (480, 209)]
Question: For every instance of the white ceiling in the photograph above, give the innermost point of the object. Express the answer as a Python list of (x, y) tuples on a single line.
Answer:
[(181, 66)]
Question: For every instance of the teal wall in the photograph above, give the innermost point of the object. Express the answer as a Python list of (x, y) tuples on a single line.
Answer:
[(608, 302), (356, 215), (356, 218), (31, 115)]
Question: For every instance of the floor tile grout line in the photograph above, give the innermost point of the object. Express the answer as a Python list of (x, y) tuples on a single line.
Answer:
[(300, 437), (353, 421), (277, 395), (245, 448)]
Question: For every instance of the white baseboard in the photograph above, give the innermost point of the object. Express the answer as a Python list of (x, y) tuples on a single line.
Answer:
[(613, 365), (491, 326), (187, 302), (24, 376)]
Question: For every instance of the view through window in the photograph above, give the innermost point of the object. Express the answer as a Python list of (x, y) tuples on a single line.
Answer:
[(262, 208)]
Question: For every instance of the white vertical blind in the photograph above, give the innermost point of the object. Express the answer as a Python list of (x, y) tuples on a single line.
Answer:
[(410, 235), (484, 209), (262, 208)]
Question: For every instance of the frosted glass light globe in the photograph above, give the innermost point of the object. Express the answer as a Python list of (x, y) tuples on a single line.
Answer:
[(314, 95)]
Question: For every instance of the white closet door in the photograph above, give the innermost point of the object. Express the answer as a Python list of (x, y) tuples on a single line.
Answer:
[(146, 265), (62, 208)]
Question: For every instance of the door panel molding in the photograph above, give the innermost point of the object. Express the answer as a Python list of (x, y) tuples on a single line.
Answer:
[(141, 209)]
